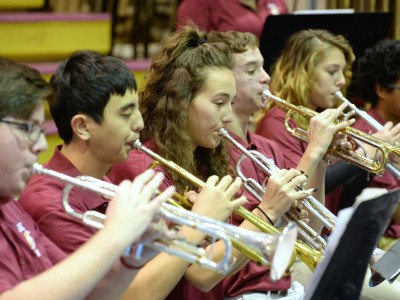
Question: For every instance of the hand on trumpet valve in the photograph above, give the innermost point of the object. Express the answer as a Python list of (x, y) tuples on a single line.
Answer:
[(389, 133), (215, 199), (347, 115), (282, 190), (324, 126), (133, 207), (342, 140), (298, 210)]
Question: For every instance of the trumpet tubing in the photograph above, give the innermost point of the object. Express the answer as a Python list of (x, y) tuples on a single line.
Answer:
[(350, 156), (370, 165), (309, 256), (394, 168), (312, 238), (264, 245)]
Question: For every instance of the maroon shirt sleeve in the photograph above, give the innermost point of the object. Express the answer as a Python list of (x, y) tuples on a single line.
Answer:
[(25, 250), (42, 200), (272, 127)]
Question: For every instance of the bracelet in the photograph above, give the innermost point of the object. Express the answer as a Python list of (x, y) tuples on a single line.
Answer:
[(128, 266), (265, 215)]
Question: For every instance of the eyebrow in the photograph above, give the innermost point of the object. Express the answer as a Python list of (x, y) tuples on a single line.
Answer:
[(127, 106), (222, 94)]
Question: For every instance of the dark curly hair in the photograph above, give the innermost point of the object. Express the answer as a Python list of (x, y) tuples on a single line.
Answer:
[(380, 64)]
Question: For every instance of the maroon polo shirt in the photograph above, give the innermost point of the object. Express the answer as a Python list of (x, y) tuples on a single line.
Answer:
[(42, 200), (224, 15), (25, 250), (253, 277), (387, 180), (272, 126)]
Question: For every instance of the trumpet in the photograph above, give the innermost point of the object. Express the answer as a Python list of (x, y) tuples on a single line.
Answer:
[(311, 237), (324, 215), (275, 249), (371, 121), (308, 255), (383, 149)]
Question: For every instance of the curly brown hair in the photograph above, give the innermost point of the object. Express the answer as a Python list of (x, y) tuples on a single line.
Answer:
[(177, 74)]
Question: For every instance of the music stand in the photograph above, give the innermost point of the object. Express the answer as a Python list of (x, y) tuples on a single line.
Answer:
[(341, 274), (361, 29)]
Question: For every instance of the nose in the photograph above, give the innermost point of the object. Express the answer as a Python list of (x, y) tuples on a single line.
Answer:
[(265, 78), (137, 123), (341, 80), (40, 145), (227, 116)]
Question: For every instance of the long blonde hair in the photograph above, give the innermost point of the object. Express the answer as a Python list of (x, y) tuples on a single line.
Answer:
[(292, 76)]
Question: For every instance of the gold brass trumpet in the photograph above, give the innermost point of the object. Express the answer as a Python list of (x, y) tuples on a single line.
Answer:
[(276, 249), (383, 148), (309, 256), (328, 219), (374, 123)]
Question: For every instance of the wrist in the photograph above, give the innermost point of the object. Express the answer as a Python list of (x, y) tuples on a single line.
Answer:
[(315, 154), (277, 222)]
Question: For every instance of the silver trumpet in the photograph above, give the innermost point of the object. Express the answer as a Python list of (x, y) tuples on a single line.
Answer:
[(320, 211), (310, 236), (277, 249), (371, 121)]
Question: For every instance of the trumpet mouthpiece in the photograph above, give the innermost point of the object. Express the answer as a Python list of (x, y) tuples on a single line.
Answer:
[(222, 132), (339, 94), (137, 145), (37, 168), (266, 94)]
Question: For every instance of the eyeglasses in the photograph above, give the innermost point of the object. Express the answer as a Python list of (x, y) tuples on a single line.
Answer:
[(32, 130)]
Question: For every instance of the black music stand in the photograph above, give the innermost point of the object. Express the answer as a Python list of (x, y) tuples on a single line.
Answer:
[(361, 29), (341, 274)]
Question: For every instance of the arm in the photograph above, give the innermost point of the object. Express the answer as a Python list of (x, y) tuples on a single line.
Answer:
[(340, 172), (76, 276), (213, 201)]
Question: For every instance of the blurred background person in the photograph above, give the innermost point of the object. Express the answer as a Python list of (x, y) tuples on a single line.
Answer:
[(224, 15), (376, 80)]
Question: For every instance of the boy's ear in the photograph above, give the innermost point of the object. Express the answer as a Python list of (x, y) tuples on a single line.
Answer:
[(80, 126), (381, 90)]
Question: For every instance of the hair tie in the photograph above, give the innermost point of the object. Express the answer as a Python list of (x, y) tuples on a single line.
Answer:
[(195, 44)]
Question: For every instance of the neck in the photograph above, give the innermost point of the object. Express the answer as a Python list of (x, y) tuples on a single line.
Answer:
[(240, 125), (81, 157)]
